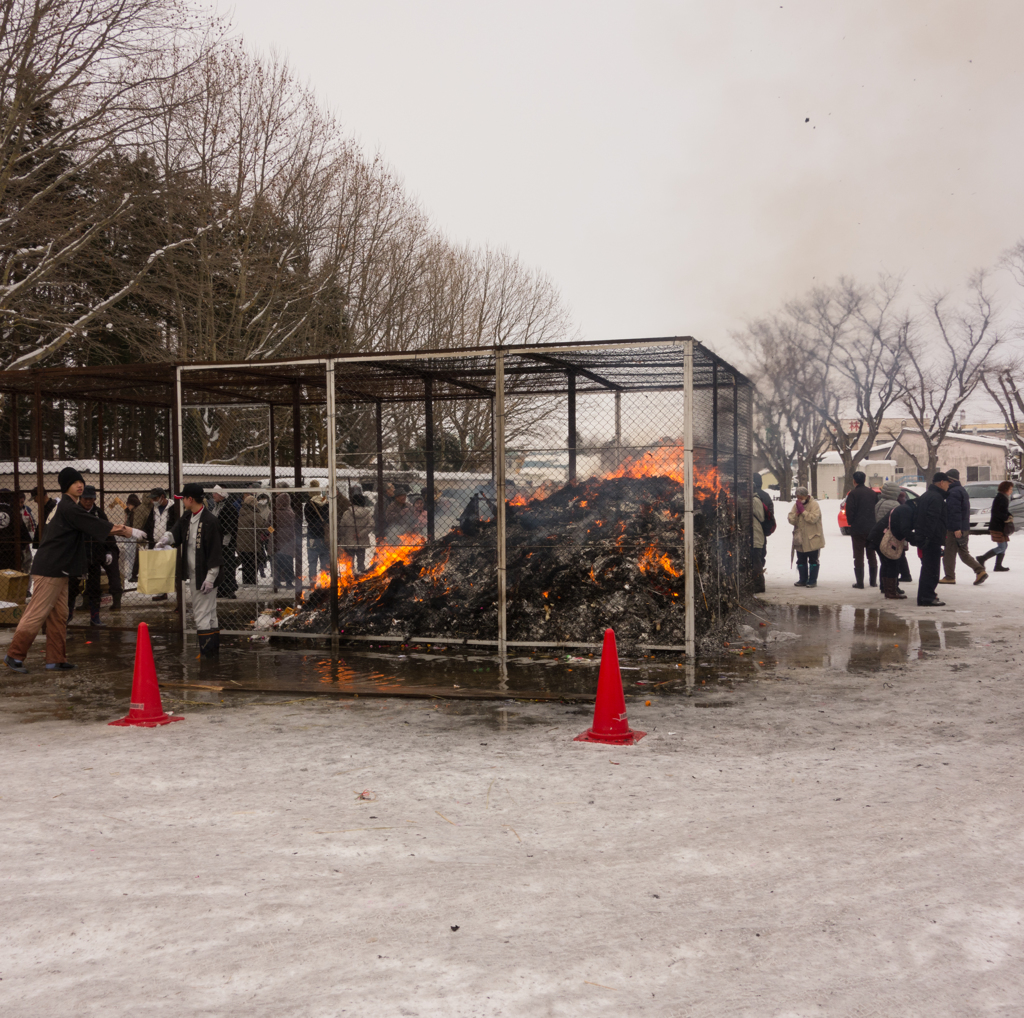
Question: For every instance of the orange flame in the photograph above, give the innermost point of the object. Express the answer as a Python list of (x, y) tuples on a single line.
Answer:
[(652, 558), (669, 461), (384, 557)]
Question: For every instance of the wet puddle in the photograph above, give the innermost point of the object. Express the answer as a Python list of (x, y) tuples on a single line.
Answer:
[(847, 638)]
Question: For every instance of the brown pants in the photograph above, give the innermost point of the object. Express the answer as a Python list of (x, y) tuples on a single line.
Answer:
[(49, 604), (954, 548)]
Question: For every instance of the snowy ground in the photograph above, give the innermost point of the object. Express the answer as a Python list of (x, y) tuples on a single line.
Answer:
[(823, 843)]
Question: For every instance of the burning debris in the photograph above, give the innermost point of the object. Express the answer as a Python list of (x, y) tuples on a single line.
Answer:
[(608, 552)]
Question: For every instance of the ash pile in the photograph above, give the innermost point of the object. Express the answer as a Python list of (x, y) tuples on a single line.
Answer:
[(605, 553)]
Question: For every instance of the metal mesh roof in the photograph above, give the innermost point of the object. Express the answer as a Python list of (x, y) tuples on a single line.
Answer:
[(642, 365)]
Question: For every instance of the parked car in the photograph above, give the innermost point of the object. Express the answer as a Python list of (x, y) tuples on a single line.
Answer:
[(844, 529), (981, 494)]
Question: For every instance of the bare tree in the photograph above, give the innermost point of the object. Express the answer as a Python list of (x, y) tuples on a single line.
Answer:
[(855, 339), (75, 84), (943, 364), (787, 429)]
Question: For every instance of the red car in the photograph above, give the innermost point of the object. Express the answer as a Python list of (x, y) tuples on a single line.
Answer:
[(844, 529)]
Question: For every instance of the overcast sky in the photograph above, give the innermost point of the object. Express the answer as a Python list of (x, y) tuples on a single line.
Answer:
[(679, 167)]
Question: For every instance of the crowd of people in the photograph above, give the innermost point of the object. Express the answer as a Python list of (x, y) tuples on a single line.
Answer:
[(884, 526)]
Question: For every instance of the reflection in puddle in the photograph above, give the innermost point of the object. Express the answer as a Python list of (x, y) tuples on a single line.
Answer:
[(848, 638), (858, 639)]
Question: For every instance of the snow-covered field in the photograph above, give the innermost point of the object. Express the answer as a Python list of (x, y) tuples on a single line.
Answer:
[(824, 843)]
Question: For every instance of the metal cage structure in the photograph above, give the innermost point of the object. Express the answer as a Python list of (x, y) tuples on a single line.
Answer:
[(624, 466)]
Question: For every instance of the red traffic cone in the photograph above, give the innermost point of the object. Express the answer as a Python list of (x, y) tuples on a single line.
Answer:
[(610, 724), (145, 710)]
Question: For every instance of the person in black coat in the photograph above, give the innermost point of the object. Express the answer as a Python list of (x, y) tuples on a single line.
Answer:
[(997, 526), (930, 537), (860, 518), (14, 535), (199, 542), (101, 556)]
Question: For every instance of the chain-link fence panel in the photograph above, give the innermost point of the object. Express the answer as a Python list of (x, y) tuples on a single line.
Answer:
[(123, 455)]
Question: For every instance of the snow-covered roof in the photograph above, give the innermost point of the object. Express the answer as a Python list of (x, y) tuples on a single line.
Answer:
[(960, 436), (834, 459)]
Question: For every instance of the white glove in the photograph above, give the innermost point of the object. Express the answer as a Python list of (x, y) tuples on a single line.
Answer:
[(107, 559), (227, 540), (206, 587), (166, 541), (138, 535)]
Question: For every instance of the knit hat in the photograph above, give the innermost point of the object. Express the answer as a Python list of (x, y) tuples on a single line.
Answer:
[(939, 477), (218, 490), (954, 473), (67, 477)]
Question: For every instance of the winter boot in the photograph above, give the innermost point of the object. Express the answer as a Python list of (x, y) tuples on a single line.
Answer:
[(987, 555), (1000, 568), (209, 642), (115, 605), (872, 573), (94, 619), (858, 575), (812, 576), (801, 568)]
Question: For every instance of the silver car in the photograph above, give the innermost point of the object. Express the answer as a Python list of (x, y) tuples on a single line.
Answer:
[(981, 494)]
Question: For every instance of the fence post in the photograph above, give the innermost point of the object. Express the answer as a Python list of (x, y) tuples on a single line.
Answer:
[(99, 447), (15, 457), (428, 450), (298, 573), (688, 549), (737, 518), (380, 472), (272, 544), (177, 476), (332, 494), (39, 463), (499, 492), (572, 429)]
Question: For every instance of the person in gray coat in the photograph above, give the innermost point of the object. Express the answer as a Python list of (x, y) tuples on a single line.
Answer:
[(958, 520)]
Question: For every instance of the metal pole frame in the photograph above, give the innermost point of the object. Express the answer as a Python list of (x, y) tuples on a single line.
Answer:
[(499, 494), (571, 376), (297, 573), (688, 551), (40, 503), (178, 469), (428, 450), (332, 493), (99, 449), (15, 464), (379, 515)]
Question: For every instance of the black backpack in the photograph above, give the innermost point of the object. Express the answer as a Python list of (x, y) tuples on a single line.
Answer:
[(769, 523)]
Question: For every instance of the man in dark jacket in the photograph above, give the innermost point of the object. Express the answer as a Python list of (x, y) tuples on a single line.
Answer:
[(860, 518), (101, 556), (61, 555), (930, 537), (958, 519), (200, 546)]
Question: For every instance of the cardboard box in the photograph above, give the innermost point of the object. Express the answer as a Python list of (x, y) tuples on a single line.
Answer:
[(13, 586), (10, 616)]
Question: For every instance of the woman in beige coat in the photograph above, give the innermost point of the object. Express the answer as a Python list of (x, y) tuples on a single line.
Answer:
[(808, 537)]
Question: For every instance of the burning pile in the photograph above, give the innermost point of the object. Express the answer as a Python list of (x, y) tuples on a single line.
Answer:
[(605, 553)]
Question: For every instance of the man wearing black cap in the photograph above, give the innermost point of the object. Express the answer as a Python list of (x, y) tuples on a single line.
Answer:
[(101, 556), (930, 537), (197, 536), (61, 555)]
